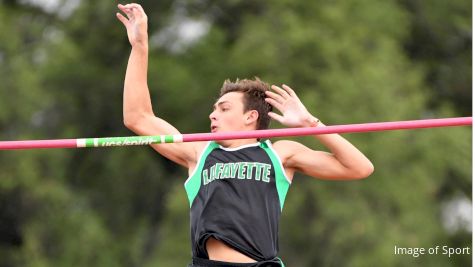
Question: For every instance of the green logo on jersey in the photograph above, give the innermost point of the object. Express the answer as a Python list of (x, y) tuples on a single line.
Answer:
[(237, 170)]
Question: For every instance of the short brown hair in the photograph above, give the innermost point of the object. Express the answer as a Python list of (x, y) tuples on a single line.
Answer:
[(254, 98)]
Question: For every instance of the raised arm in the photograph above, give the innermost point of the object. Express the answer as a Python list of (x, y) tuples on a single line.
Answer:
[(344, 161), (137, 106)]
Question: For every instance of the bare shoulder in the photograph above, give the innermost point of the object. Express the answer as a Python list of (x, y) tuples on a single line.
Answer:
[(287, 145), (199, 148), (287, 148)]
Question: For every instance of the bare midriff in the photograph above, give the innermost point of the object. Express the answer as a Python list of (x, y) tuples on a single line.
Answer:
[(219, 251)]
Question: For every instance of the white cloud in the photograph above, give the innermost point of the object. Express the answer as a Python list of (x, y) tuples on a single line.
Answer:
[(63, 8), (457, 214), (181, 33)]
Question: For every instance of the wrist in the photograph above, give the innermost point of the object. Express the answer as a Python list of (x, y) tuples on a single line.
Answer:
[(140, 46), (312, 122)]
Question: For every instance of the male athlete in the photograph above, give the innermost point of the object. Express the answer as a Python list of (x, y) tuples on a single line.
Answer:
[(236, 188)]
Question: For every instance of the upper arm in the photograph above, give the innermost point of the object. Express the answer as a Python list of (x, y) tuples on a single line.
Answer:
[(184, 154), (318, 164)]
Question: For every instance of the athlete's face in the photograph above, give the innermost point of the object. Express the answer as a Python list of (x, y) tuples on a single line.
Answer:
[(228, 114)]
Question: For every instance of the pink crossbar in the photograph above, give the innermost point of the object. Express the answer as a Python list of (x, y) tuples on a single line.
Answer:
[(35, 144), (350, 128)]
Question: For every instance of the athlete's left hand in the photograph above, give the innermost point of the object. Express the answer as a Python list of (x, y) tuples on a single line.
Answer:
[(294, 113)]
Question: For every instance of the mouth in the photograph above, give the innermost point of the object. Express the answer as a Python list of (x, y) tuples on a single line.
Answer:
[(214, 128)]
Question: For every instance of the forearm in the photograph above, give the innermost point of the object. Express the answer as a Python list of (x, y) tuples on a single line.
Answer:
[(136, 102), (345, 159), (347, 154)]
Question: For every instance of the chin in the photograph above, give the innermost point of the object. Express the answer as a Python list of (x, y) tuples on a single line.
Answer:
[(223, 142)]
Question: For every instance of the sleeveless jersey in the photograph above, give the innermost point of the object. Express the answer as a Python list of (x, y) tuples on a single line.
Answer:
[(236, 195)]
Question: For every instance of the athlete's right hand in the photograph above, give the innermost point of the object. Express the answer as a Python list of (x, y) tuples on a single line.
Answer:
[(135, 23)]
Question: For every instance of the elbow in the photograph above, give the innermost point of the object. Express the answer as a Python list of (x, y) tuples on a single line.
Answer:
[(368, 171), (134, 118), (363, 172), (129, 124), (131, 121)]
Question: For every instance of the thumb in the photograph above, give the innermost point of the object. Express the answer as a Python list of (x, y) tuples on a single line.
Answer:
[(122, 19), (276, 117)]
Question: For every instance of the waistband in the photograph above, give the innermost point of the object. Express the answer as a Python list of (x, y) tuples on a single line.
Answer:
[(199, 262)]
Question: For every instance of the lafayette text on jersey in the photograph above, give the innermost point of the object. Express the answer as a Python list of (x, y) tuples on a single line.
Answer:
[(236, 195)]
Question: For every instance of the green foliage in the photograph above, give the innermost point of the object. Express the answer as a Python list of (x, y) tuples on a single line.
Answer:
[(349, 61), (441, 41)]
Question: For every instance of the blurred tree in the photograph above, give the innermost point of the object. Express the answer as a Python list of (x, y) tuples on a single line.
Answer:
[(441, 41), (349, 61)]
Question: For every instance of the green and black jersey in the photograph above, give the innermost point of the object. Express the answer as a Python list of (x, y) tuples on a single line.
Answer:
[(236, 196)]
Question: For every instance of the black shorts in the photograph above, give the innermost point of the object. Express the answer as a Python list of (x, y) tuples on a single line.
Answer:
[(198, 262)]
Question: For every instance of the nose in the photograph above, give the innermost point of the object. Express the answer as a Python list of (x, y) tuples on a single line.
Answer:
[(212, 115)]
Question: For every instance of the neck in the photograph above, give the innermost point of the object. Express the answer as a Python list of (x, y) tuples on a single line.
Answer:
[(236, 143)]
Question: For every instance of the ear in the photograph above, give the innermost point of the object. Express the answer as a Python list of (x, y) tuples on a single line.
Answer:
[(251, 117)]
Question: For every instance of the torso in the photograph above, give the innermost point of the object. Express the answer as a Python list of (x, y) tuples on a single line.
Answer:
[(218, 250)]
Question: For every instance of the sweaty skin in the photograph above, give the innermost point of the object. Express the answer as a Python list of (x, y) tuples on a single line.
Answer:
[(219, 251)]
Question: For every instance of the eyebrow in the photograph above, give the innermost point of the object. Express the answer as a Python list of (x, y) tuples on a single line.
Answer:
[(220, 103)]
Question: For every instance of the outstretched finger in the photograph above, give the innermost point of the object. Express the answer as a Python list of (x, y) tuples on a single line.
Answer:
[(126, 9), (275, 96), (281, 91), (123, 8), (274, 103), (276, 116), (289, 90)]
